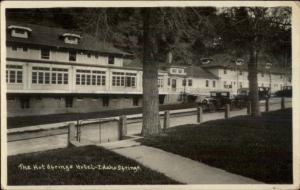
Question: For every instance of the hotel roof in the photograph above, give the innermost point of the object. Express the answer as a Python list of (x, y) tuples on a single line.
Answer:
[(51, 37)]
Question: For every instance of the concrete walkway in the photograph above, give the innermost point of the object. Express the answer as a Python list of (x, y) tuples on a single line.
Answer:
[(176, 167)]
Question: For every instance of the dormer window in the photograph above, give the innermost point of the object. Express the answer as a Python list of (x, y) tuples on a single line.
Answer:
[(19, 31), (239, 62), (206, 61), (71, 38)]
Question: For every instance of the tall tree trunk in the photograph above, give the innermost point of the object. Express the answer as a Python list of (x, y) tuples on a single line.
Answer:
[(253, 86), (151, 120)]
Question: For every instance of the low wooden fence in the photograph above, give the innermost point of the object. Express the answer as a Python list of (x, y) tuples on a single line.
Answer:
[(118, 126)]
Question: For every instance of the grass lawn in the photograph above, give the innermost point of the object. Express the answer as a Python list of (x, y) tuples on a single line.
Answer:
[(259, 148), (110, 168)]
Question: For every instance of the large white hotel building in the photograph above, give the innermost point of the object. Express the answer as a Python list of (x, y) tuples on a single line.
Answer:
[(51, 70)]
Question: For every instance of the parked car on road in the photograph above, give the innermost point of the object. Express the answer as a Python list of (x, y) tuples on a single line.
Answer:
[(217, 100), (242, 96), (286, 91)]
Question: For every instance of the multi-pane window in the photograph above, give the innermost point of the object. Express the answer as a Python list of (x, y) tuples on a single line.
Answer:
[(160, 82), (88, 77), (124, 79), (14, 74), (45, 53), (72, 56), (169, 81), (40, 75), (59, 76), (190, 82), (43, 75)]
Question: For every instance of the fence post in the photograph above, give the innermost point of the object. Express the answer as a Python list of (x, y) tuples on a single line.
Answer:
[(78, 131), (227, 111), (282, 103), (267, 104), (72, 133), (199, 114), (166, 120), (100, 131), (248, 107), (122, 127)]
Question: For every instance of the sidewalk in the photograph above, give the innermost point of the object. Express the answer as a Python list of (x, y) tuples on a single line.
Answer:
[(179, 168)]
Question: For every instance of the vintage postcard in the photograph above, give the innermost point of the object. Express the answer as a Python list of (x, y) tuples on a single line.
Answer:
[(150, 94)]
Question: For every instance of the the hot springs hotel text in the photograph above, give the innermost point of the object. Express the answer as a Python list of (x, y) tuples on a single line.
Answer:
[(52, 70)]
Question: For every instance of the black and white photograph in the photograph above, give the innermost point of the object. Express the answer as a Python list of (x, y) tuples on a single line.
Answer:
[(199, 94)]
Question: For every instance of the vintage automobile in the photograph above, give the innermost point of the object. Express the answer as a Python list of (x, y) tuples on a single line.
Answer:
[(286, 91), (263, 93), (217, 100), (242, 96)]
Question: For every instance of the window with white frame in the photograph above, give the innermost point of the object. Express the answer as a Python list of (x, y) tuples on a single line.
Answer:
[(160, 82), (214, 83), (124, 79), (14, 74), (45, 75), (81, 76), (59, 76), (98, 78), (90, 77), (45, 54), (40, 75)]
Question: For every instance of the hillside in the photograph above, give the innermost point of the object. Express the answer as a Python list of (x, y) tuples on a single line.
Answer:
[(123, 29)]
